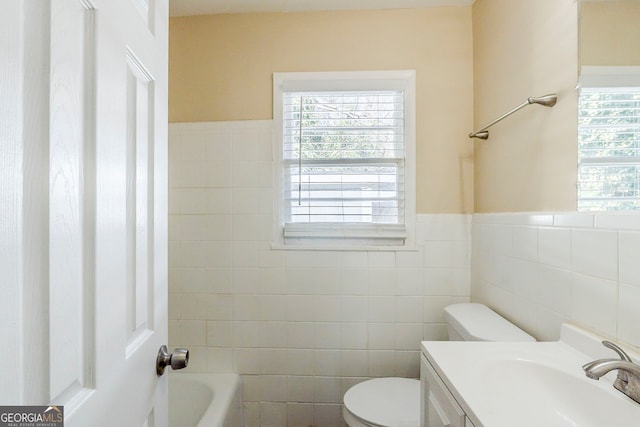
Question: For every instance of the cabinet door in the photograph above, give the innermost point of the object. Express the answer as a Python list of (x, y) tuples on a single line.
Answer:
[(439, 408)]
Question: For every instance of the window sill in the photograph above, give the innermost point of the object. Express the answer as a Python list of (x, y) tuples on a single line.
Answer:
[(365, 248)]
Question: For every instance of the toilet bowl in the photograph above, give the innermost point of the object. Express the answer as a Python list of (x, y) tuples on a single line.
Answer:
[(395, 402)]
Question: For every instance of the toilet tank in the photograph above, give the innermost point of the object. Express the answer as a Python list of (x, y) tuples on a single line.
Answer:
[(477, 322)]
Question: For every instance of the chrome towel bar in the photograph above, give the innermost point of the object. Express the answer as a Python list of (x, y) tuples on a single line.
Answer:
[(546, 100)]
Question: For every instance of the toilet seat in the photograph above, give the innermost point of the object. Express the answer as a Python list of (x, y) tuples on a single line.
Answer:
[(383, 402)]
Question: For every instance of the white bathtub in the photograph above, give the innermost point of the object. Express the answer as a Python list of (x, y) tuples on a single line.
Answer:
[(205, 400)]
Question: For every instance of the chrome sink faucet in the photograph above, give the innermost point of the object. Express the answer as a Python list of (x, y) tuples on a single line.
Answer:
[(628, 381)]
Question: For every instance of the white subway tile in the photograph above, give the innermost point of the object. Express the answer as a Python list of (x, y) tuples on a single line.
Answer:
[(273, 307), (193, 253), (245, 281), (273, 388), (629, 314), (595, 303), (354, 259), (382, 309), (354, 363), (327, 335), (381, 336), (300, 308), (326, 308), (299, 388), (300, 361), (326, 281), (379, 259), (300, 281), (629, 244), (272, 361), (327, 415), (522, 278), (273, 414), (354, 308), (434, 308), (272, 280), (410, 259), (327, 390), (246, 254), (382, 282), (617, 220), (217, 201), (246, 227), (251, 414), (438, 254), (409, 281), (251, 388), (326, 362), (299, 335), (244, 144), (555, 289), (595, 253), (219, 307), (435, 332), (193, 280), (273, 334), (408, 364), (219, 333), (220, 360), (218, 174), (573, 220), (408, 336), (246, 334), (300, 414), (246, 174), (193, 332), (525, 243), (246, 307), (353, 336), (382, 363), (409, 309), (219, 280), (192, 306), (219, 146), (554, 247), (354, 281), (219, 254)]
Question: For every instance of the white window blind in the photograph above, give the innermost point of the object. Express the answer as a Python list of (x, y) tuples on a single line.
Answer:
[(609, 148)]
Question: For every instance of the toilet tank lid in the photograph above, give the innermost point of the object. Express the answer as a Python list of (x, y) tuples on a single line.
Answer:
[(477, 322)]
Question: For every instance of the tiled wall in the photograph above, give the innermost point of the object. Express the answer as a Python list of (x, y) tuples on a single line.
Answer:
[(540, 270), (300, 326)]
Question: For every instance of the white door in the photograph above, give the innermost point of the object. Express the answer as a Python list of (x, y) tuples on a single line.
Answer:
[(83, 207)]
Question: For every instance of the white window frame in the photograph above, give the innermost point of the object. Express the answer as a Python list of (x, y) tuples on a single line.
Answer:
[(606, 77), (403, 80)]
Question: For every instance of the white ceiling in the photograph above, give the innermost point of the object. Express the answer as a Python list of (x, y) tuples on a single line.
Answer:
[(207, 7)]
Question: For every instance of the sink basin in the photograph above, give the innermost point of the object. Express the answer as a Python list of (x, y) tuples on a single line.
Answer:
[(547, 396), (532, 384)]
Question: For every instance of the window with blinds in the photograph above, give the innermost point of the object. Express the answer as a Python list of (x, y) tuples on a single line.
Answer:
[(609, 149), (344, 162)]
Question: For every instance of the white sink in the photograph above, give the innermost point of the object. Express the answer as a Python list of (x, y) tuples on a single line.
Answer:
[(532, 384)]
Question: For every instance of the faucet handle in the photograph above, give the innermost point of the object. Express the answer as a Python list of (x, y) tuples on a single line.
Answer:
[(621, 353)]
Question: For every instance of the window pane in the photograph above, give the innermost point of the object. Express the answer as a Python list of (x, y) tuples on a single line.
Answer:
[(609, 149), (345, 157)]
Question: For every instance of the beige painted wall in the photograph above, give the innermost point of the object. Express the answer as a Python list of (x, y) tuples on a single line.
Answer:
[(610, 33), (525, 48), (221, 66)]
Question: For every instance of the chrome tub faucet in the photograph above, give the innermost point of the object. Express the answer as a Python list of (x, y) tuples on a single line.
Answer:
[(628, 380)]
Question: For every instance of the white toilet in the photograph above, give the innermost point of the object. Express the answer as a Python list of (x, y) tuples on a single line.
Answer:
[(395, 402)]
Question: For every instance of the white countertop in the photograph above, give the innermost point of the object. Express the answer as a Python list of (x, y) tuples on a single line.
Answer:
[(536, 384)]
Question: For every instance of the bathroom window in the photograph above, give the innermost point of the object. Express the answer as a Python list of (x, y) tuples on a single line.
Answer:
[(609, 139), (346, 149)]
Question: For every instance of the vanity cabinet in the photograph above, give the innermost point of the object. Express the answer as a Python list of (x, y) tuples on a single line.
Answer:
[(438, 408)]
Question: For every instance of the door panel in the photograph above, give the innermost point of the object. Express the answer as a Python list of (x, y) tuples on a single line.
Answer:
[(71, 213), (83, 183)]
